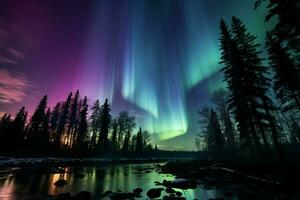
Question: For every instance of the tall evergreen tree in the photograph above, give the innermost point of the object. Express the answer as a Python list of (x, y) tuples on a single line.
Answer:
[(81, 144), (45, 134), (73, 122), (54, 119), (5, 124), (105, 119), (287, 76), (17, 130), (257, 83), (62, 121), (139, 142), (215, 136), (234, 75), (95, 124), (287, 27), (36, 125), (114, 135)]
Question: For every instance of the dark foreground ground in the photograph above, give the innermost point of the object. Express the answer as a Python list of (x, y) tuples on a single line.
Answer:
[(249, 179)]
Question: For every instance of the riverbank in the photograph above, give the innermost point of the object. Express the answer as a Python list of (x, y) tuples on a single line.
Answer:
[(248, 179), (57, 161)]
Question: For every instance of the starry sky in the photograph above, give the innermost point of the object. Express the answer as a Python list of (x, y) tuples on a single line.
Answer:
[(157, 59)]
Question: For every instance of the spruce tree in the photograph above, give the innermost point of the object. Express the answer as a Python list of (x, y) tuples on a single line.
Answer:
[(45, 134), (105, 120), (287, 76), (36, 125), (114, 134), (95, 125), (81, 144), (17, 130), (216, 138), (139, 142), (54, 119), (234, 75), (62, 121), (257, 84), (73, 122)]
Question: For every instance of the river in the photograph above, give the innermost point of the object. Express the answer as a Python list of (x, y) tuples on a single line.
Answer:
[(16, 183)]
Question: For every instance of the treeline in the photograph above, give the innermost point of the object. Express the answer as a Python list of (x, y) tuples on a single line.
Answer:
[(259, 113), (68, 130)]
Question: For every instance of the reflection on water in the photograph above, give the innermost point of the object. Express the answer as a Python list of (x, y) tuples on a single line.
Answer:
[(97, 180)]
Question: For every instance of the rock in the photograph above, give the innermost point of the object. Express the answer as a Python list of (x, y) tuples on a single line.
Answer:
[(63, 196), (138, 190), (60, 183), (83, 195), (169, 190), (180, 183), (154, 193), (179, 194)]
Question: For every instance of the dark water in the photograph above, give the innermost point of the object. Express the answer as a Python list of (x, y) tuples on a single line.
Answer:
[(124, 177)]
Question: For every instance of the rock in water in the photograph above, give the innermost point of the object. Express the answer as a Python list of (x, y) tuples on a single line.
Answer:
[(154, 193), (169, 190), (60, 183), (178, 193), (83, 195), (138, 190)]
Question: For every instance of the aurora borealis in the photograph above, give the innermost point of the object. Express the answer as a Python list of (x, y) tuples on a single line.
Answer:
[(158, 59)]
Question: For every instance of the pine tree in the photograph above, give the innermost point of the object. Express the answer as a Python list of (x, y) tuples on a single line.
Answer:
[(73, 122), (36, 125), (95, 125), (215, 136), (17, 135), (139, 142), (257, 84), (234, 75), (287, 14), (287, 76), (5, 124), (54, 119), (62, 121), (81, 144), (45, 134), (105, 120), (114, 135)]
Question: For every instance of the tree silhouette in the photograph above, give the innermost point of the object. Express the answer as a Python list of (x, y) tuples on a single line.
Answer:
[(114, 134), (54, 120), (35, 127), (62, 122), (287, 76), (139, 142), (73, 122), (17, 134), (95, 125), (105, 120), (81, 145)]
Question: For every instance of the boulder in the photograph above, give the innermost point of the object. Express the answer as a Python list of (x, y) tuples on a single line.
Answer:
[(154, 193)]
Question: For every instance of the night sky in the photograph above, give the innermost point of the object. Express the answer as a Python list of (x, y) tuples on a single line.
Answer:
[(157, 59)]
